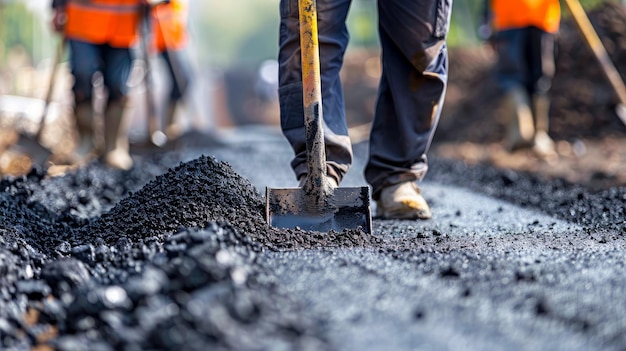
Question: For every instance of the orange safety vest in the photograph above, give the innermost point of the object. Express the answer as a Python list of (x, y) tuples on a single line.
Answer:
[(543, 14), (112, 22), (169, 25)]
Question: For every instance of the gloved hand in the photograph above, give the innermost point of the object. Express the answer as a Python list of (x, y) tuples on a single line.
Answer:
[(488, 35), (484, 32), (59, 19)]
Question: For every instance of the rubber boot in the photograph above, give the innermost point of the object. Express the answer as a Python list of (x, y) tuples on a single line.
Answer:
[(116, 153), (83, 119), (521, 128), (543, 145), (172, 128)]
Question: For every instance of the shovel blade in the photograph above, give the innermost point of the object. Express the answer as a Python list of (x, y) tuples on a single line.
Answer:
[(38, 153), (345, 208)]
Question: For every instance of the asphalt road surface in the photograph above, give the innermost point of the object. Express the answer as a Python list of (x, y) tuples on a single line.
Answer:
[(483, 274), (171, 256)]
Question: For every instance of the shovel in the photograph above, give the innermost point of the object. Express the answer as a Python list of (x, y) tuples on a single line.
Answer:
[(31, 144), (602, 56), (318, 205)]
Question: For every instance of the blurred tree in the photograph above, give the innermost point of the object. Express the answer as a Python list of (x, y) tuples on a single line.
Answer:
[(24, 28), (234, 32), (16, 27), (466, 16), (362, 23)]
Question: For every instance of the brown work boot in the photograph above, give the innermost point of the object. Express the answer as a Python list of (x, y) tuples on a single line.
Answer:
[(402, 201)]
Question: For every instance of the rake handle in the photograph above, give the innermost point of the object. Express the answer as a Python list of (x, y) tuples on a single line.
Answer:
[(594, 42)]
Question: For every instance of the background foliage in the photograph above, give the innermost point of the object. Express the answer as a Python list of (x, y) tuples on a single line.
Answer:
[(233, 32)]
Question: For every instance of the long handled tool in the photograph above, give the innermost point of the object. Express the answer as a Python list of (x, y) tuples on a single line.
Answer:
[(177, 63), (31, 144), (599, 51), (156, 136), (318, 205)]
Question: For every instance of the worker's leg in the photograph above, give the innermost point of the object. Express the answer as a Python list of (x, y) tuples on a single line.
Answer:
[(513, 75), (180, 77), (542, 63), (116, 72), (519, 115), (85, 62), (411, 92), (333, 39)]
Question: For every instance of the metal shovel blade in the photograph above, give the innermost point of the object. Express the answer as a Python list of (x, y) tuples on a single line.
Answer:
[(30, 146), (345, 208)]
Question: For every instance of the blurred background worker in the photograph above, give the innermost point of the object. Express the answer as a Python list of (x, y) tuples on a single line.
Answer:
[(100, 34), (169, 30), (523, 33)]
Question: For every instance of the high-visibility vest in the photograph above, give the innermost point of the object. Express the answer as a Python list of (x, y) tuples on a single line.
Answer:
[(113, 22), (169, 25), (543, 14)]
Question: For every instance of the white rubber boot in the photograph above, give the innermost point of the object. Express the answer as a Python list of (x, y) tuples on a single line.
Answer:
[(172, 127), (521, 128), (116, 153), (83, 120), (543, 145)]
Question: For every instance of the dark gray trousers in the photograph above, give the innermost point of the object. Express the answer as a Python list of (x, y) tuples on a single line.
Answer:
[(410, 96)]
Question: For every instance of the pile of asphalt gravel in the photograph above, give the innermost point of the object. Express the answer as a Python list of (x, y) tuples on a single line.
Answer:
[(106, 260), (198, 192)]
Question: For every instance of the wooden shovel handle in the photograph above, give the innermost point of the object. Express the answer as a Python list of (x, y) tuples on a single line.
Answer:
[(312, 97)]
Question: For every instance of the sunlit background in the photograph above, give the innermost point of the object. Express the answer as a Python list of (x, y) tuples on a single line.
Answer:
[(232, 50)]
